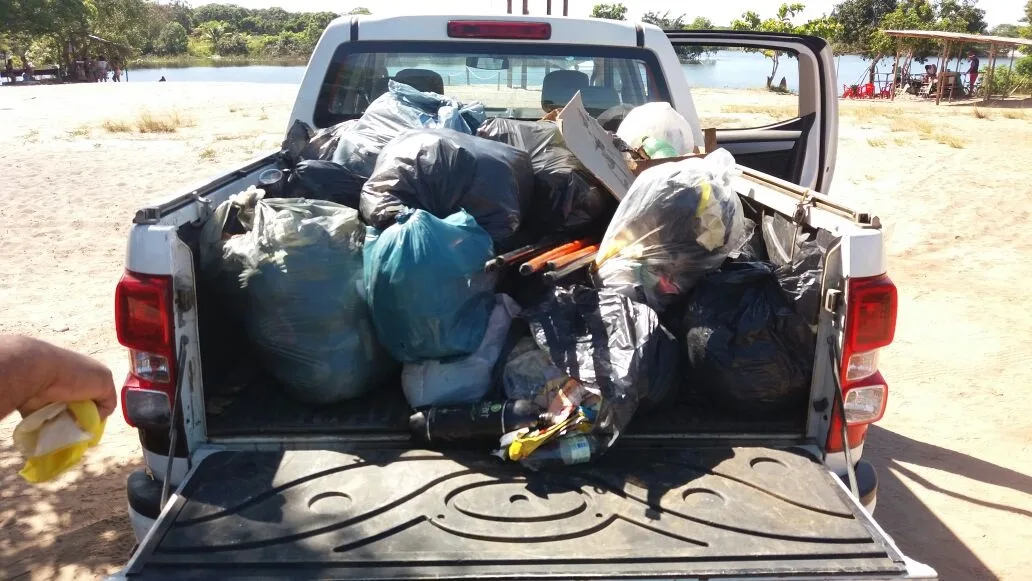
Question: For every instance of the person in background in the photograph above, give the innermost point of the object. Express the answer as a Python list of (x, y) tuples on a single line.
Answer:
[(116, 70), (102, 69), (9, 70), (972, 71), (34, 373)]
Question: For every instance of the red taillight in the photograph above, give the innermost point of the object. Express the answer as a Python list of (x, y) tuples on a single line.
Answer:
[(144, 324), (871, 306), (499, 30)]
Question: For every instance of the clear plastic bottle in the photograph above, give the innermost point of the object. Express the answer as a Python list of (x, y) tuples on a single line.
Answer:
[(567, 451), (657, 148)]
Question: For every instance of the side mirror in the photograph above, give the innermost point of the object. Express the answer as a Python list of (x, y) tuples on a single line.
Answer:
[(488, 63)]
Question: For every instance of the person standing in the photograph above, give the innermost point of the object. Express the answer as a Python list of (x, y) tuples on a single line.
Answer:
[(101, 69), (972, 71)]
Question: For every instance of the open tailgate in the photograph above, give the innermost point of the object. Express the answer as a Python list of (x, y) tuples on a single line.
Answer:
[(640, 512)]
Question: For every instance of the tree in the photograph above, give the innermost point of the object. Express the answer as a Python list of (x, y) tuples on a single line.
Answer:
[(690, 54), (1007, 30), (173, 39), (611, 11), (359, 10), (825, 27), (860, 19), (960, 16), (213, 31)]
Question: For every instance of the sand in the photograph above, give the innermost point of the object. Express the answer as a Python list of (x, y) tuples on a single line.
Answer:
[(953, 190)]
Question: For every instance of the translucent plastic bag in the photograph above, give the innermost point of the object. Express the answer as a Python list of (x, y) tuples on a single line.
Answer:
[(443, 171), (399, 109), (426, 286), (747, 346), (464, 379), (566, 198), (293, 279), (605, 340), (678, 221), (660, 121)]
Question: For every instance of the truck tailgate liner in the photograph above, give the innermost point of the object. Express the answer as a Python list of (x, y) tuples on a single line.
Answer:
[(395, 514)]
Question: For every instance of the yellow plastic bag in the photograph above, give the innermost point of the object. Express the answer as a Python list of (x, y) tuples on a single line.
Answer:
[(55, 437)]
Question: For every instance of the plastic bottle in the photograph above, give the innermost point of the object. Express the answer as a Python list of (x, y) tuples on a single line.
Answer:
[(484, 421), (657, 148), (567, 451)]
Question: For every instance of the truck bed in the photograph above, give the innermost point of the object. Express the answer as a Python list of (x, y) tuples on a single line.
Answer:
[(253, 404), (641, 512)]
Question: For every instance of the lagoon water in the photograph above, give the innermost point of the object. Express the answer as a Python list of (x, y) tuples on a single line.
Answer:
[(723, 69)]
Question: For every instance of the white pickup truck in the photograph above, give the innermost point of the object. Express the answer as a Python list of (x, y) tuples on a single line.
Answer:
[(242, 482)]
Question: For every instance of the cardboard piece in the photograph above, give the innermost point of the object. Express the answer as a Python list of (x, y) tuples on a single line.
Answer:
[(594, 147)]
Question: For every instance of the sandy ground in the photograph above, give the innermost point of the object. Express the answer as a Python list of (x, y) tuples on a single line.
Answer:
[(953, 190)]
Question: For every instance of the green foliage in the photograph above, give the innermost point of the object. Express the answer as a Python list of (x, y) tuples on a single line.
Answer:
[(212, 31), (825, 27), (173, 39), (609, 11), (1023, 66), (1007, 30), (860, 20), (1008, 82), (359, 10), (689, 54)]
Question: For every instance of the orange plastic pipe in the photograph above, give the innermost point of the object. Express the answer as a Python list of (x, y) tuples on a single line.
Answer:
[(562, 261), (539, 262)]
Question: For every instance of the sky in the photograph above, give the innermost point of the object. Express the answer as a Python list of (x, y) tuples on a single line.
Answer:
[(720, 11)]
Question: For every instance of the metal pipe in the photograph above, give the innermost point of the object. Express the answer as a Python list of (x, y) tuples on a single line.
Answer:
[(526, 7), (548, 7), (566, 7), (509, 8)]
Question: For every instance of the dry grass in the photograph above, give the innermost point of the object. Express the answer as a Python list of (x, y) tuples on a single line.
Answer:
[(80, 131), (980, 114), (234, 108), (775, 111), (264, 116), (208, 154), (1014, 114), (117, 126), (876, 142), (901, 140), (912, 125), (31, 136), (954, 141), (147, 122)]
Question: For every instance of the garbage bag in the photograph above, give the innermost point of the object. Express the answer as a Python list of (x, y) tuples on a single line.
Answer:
[(443, 171), (426, 286), (678, 221), (660, 121), (801, 279), (303, 142), (293, 279), (399, 109), (462, 379), (605, 340), (746, 345), (566, 198), (326, 180), (528, 371)]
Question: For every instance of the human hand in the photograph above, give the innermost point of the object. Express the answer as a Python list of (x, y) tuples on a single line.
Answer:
[(34, 373)]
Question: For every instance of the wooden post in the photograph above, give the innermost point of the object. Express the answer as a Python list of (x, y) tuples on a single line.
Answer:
[(548, 7), (566, 7), (526, 8), (944, 57), (989, 75), (509, 8), (895, 71)]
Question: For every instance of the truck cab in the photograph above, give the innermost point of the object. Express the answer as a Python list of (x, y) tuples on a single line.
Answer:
[(242, 482)]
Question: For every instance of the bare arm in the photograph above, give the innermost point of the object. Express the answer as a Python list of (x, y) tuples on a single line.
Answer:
[(34, 373)]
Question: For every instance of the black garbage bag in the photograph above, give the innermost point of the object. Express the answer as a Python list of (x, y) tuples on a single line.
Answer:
[(605, 340), (566, 197), (801, 278), (304, 143), (444, 171), (746, 345), (398, 110), (326, 180)]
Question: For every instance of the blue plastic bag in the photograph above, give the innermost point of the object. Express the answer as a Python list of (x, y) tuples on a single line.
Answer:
[(426, 286), (399, 109)]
